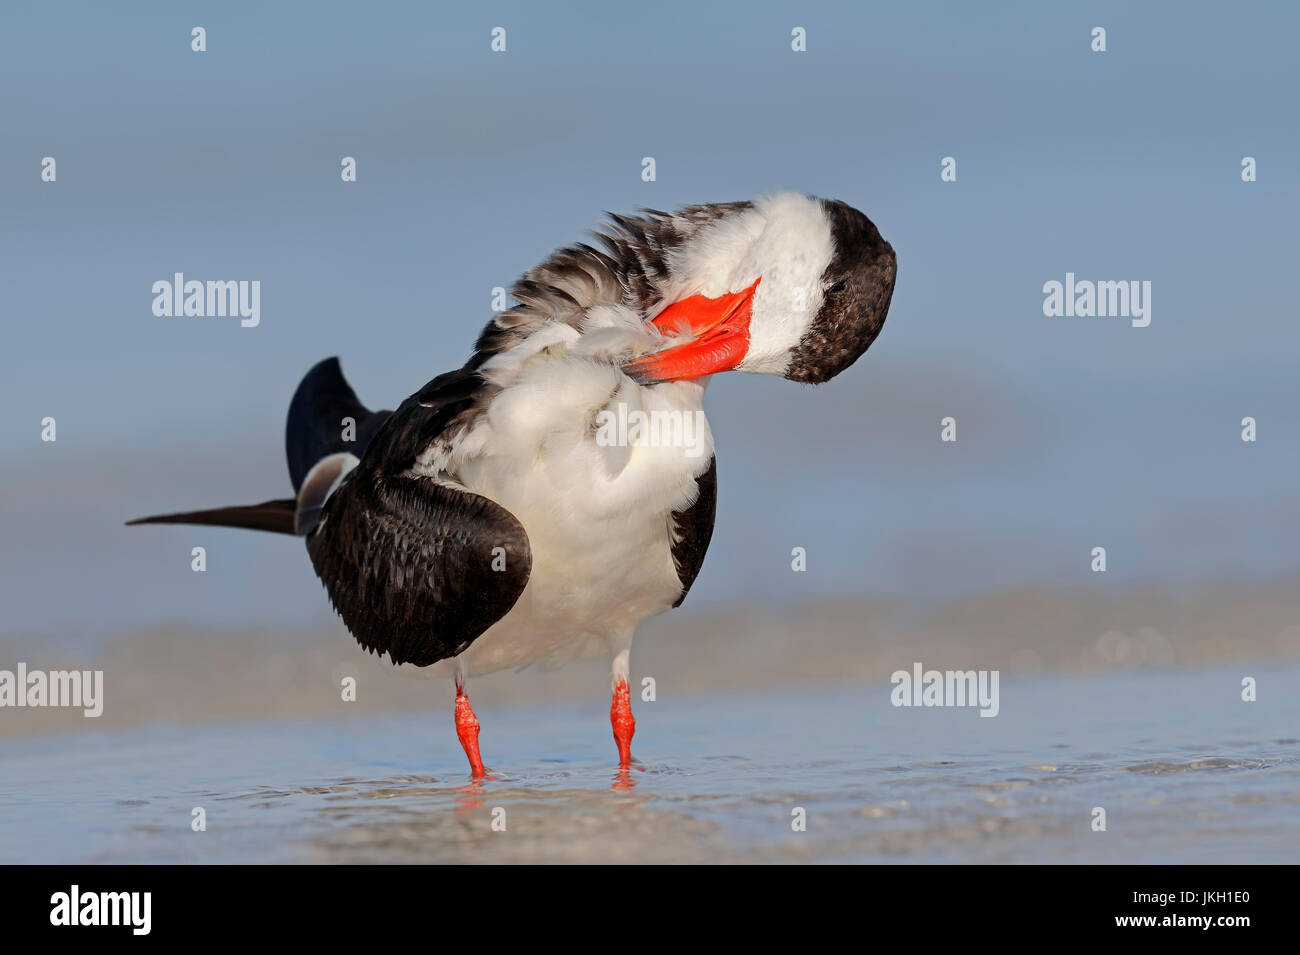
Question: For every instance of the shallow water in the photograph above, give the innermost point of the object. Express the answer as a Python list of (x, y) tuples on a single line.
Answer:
[(1185, 771)]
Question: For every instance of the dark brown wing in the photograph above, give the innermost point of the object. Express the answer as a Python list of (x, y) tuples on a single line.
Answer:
[(418, 569), (692, 529)]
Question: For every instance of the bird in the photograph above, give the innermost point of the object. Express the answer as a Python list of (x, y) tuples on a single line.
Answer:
[(502, 516)]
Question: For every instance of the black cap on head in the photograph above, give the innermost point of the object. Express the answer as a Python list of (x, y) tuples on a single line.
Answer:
[(857, 286)]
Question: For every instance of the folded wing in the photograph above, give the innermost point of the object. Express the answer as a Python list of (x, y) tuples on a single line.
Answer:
[(416, 568)]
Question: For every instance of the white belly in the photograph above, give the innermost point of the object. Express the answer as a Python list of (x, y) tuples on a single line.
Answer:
[(597, 514)]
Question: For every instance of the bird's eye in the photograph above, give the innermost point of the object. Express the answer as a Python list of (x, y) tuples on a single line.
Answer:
[(839, 286)]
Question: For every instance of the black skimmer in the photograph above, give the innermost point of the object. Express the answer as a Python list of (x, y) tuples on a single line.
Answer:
[(491, 521)]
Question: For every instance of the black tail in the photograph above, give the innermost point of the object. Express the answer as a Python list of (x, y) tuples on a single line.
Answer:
[(276, 516), (317, 424), (318, 428)]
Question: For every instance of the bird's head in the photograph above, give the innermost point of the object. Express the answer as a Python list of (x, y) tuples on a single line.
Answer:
[(788, 285)]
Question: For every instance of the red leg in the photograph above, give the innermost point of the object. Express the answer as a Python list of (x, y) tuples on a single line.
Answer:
[(620, 717), (467, 729)]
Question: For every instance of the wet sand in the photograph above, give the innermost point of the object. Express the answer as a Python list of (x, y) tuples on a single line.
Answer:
[(1185, 770)]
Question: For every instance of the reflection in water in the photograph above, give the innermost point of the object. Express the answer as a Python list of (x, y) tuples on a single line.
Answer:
[(472, 796)]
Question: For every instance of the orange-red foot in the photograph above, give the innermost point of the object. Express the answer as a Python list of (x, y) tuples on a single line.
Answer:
[(467, 730), (620, 718)]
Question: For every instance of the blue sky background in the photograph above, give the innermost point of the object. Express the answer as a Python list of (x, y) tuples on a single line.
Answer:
[(474, 165)]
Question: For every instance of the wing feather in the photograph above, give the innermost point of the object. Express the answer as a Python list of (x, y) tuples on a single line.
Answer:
[(418, 569), (691, 530)]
